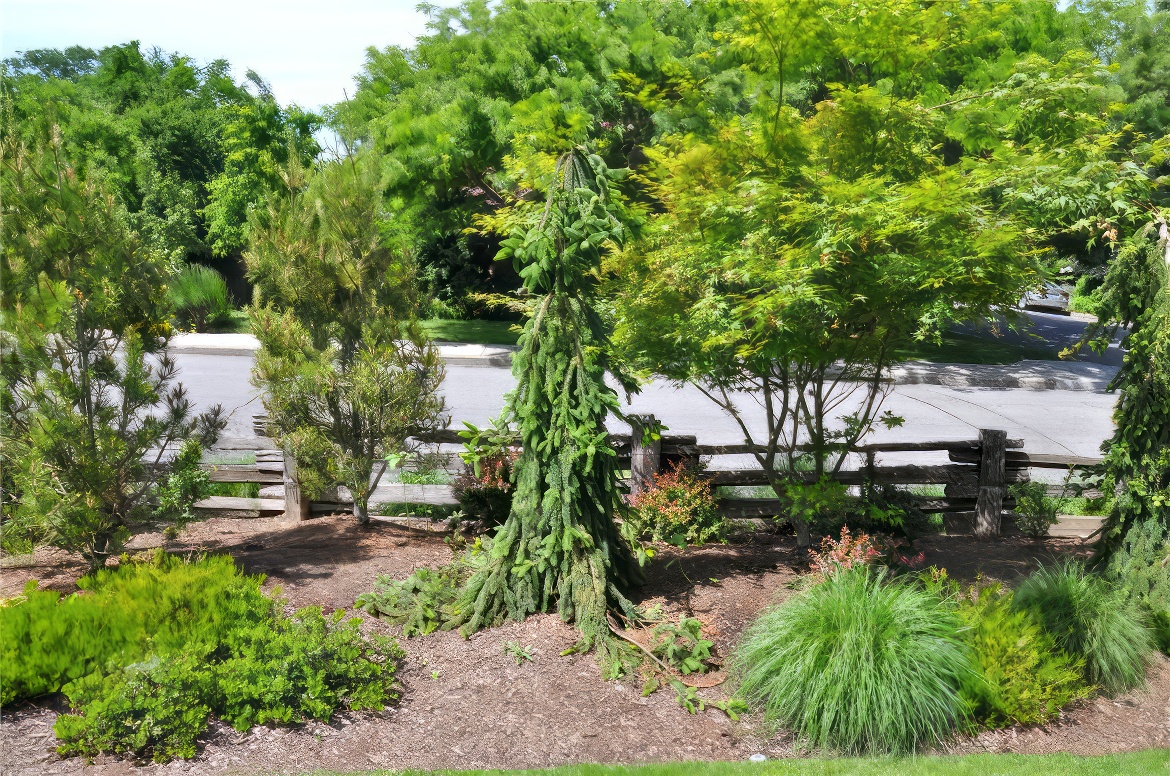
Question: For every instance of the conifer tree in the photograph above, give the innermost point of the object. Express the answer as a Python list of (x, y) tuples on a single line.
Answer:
[(560, 546), (1135, 541)]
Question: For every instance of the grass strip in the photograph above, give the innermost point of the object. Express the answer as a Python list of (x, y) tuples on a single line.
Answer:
[(1150, 761)]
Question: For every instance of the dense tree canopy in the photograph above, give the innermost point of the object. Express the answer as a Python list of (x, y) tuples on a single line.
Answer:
[(185, 147), (456, 119)]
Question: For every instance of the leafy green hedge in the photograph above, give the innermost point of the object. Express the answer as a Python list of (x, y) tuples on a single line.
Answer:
[(148, 652)]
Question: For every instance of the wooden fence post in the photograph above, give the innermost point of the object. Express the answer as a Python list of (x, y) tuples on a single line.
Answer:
[(295, 504), (992, 483), (645, 454)]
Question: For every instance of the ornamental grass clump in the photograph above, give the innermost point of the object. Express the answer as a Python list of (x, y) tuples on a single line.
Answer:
[(1093, 621), (200, 297), (858, 664)]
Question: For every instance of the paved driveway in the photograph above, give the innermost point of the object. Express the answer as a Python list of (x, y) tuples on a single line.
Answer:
[(1071, 422)]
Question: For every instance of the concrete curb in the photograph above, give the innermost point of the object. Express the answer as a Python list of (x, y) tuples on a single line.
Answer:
[(461, 354), (1026, 375)]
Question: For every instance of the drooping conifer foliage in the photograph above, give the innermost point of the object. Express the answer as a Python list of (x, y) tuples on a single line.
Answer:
[(560, 546), (1135, 543)]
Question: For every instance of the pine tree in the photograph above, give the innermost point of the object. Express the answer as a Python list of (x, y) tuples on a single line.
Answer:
[(560, 545)]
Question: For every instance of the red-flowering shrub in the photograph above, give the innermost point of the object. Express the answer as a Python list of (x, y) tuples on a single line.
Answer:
[(679, 508), (849, 551), (487, 496), (843, 553)]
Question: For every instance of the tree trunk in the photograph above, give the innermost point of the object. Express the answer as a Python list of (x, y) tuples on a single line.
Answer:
[(803, 533), (361, 511)]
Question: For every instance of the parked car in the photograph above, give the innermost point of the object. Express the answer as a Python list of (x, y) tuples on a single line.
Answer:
[(1047, 296)]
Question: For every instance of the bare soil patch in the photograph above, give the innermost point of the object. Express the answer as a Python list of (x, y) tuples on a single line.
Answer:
[(467, 704)]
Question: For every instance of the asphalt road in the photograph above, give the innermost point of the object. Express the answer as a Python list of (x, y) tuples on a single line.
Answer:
[(1052, 330), (1060, 422)]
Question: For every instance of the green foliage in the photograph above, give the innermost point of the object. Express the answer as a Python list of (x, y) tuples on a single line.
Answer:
[(1035, 511), (421, 603), (199, 296), (233, 489), (858, 664), (1023, 677), (169, 137), (426, 477), (125, 614), (824, 504), (1135, 539), (89, 404), (153, 709), (153, 650), (1092, 621), (1142, 570), (304, 667), (184, 484), (348, 375), (681, 646), (1086, 299), (484, 489), (560, 546), (495, 442), (518, 652), (456, 117), (678, 508)]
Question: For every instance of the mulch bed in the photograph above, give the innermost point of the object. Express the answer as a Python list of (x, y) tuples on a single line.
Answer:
[(466, 704)]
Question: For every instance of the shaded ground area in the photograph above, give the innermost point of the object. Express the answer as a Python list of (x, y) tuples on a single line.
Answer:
[(467, 704)]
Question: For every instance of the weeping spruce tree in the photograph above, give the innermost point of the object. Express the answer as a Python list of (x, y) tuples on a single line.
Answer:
[(1135, 541), (560, 546)]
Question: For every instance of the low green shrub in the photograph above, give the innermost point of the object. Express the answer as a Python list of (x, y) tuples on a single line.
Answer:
[(123, 613), (1023, 677), (303, 667), (1036, 511), (420, 603), (682, 646), (154, 709), (679, 508), (200, 298), (1086, 296), (150, 651), (858, 663), (1091, 620)]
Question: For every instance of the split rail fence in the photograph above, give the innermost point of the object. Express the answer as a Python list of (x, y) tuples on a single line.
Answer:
[(975, 480)]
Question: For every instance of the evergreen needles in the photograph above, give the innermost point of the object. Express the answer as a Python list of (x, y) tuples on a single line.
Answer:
[(559, 546)]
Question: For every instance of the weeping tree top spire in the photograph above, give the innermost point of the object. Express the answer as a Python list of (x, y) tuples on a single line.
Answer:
[(562, 251), (560, 546)]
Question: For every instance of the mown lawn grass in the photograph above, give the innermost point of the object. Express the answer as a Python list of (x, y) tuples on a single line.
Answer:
[(969, 349), (479, 332), (1152, 761)]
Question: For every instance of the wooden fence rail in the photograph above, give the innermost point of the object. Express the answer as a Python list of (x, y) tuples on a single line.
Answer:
[(975, 481)]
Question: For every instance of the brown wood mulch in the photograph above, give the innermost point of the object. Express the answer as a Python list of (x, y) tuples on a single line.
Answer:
[(467, 704)]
